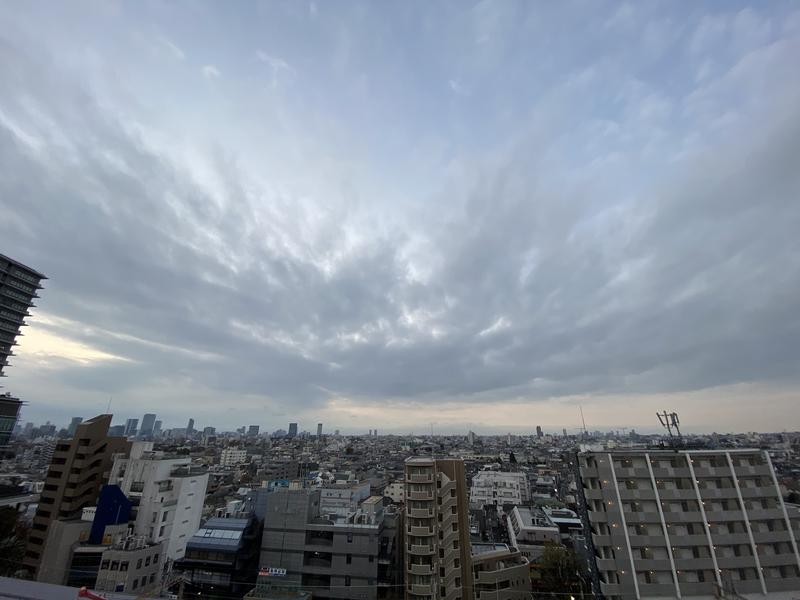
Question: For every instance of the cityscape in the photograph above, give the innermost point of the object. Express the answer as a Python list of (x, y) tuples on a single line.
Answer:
[(420, 300)]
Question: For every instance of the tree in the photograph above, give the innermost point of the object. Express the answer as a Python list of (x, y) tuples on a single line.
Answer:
[(559, 571)]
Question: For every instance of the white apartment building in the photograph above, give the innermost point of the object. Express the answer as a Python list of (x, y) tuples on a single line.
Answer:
[(396, 492), (342, 499), (498, 488), (171, 493), (530, 529), (231, 457)]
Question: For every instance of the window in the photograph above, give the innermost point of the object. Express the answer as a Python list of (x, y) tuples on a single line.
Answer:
[(139, 564), (104, 564), (349, 538), (347, 580), (349, 559), (147, 561), (115, 565), (123, 566), (155, 559), (152, 577), (135, 584), (144, 580), (161, 531), (371, 558), (164, 516)]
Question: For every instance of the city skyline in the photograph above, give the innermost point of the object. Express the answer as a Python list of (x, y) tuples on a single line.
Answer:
[(295, 213)]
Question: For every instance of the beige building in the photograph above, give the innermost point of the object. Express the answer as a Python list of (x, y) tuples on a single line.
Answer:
[(685, 523), (78, 470), (438, 556)]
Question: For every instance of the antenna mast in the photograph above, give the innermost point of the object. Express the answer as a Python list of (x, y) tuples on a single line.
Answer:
[(671, 423)]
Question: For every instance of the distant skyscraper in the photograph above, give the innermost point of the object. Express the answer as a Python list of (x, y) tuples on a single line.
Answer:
[(565, 432), (539, 432), (73, 424), (157, 427), (148, 422), (190, 427), (292, 430), (319, 430), (18, 286), (252, 431), (131, 427)]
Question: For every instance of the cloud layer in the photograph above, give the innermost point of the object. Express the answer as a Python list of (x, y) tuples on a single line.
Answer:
[(520, 212)]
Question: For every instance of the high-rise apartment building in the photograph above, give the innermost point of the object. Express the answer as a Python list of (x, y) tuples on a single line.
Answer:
[(148, 423), (252, 431), (438, 555), (292, 430), (131, 427), (539, 432), (190, 427), (78, 470), (18, 287), (319, 430), (687, 523)]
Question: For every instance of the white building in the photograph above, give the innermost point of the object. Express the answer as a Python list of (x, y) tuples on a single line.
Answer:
[(498, 488), (396, 492), (171, 494), (529, 529), (342, 499), (230, 457)]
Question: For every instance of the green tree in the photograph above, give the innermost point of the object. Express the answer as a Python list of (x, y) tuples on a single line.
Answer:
[(559, 571)]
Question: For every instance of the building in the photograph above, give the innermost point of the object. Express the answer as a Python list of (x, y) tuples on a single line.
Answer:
[(221, 558), (230, 457), (687, 523), (341, 499), (437, 545), (498, 488), (292, 430), (396, 492), (73, 425), (529, 530), (169, 491), (253, 430), (190, 427), (539, 432), (77, 472), (334, 557), (500, 573), (131, 427), (157, 428), (18, 288), (319, 430), (148, 424)]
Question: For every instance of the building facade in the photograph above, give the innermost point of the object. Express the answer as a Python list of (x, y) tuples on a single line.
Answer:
[(498, 488), (683, 523), (77, 472), (18, 288), (500, 572), (230, 457), (170, 494), (437, 545)]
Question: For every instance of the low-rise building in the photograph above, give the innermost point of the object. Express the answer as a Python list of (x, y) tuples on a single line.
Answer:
[(499, 572), (498, 488), (529, 530)]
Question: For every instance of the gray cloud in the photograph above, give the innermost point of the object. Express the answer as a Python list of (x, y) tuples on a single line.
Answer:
[(515, 280)]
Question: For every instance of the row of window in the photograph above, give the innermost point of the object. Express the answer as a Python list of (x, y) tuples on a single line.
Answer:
[(116, 565)]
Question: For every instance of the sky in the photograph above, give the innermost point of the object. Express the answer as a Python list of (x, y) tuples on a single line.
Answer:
[(409, 216)]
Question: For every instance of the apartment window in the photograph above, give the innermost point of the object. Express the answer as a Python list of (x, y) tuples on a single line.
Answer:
[(458, 582), (123, 566), (135, 584), (164, 516), (147, 561), (104, 565), (347, 580), (152, 577), (443, 591), (371, 558), (452, 493), (155, 559), (144, 580), (455, 544), (115, 565), (349, 559), (350, 538), (161, 531), (139, 564)]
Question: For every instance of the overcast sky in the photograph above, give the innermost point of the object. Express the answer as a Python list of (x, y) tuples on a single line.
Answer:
[(396, 214)]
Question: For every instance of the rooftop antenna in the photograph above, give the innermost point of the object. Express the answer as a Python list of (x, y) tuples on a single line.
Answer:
[(108, 408), (671, 423)]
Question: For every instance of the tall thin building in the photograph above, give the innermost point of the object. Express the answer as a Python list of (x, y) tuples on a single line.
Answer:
[(148, 422), (190, 427), (319, 430), (292, 430), (131, 427), (539, 432), (78, 470), (438, 553), (688, 523), (18, 287), (73, 425)]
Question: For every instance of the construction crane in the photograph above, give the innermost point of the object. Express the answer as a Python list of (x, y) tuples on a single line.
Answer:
[(671, 423)]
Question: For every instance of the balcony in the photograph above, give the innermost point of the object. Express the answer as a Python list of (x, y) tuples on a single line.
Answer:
[(420, 550), (416, 589), (420, 478), (426, 495), (420, 569), (420, 531), (420, 513)]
